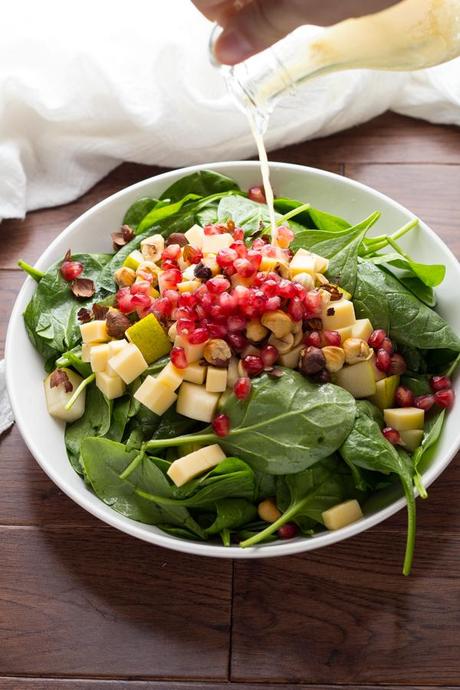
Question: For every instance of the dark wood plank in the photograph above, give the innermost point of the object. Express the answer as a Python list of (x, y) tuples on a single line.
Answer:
[(10, 282), (68, 684), (94, 602), (429, 191), (347, 615)]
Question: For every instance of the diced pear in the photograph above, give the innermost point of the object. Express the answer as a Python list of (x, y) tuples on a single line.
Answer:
[(134, 260), (378, 375), (321, 263), (99, 356), (195, 373), (214, 243), (188, 285), (232, 372), (193, 464), (150, 337), (303, 261), (385, 390), (338, 314), (57, 398), (193, 353), (196, 402), (129, 363), (291, 359), (357, 379), (94, 332), (155, 394), (110, 384), (404, 418), (362, 329), (216, 380), (195, 236), (342, 514), (344, 333), (412, 438), (86, 352), (171, 376)]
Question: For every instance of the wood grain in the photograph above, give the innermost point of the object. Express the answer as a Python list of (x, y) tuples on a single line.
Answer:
[(10, 283), (68, 684)]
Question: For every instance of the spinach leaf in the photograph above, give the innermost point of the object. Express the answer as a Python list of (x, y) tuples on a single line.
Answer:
[(120, 416), (432, 432), (95, 421), (425, 294), (202, 182), (327, 221), (431, 275), (381, 297), (104, 460), (161, 212), (138, 210), (231, 514), (283, 206), (284, 426), (73, 359), (418, 384), (245, 213), (367, 448)]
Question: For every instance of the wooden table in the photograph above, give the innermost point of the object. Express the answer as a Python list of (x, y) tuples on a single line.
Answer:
[(84, 606)]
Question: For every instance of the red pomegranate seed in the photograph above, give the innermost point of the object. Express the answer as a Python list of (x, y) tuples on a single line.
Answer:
[(255, 259), (383, 360), (284, 237), (181, 313), (300, 291), (269, 288), (124, 300), (216, 330), (258, 243), (272, 303), (162, 308), (185, 326), (244, 268), (440, 383), (198, 336), (269, 355), (227, 303), (424, 402), (242, 387), (445, 398), (240, 248), (257, 193), (171, 252), (391, 435), (236, 323), (269, 250), (295, 309), (215, 229), (286, 289), (313, 303), (404, 397), (187, 300), (376, 338), (221, 425), (178, 357), (170, 278), (253, 364), (238, 234), (71, 270), (168, 264), (397, 365), (313, 338), (387, 345), (288, 531), (237, 341), (171, 296), (226, 257), (332, 338), (217, 285)]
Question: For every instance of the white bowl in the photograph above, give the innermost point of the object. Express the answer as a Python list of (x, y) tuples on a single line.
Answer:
[(91, 233)]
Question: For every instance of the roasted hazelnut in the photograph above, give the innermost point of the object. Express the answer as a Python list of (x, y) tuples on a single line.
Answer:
[(322, 376), (117, 323), (356, 350), (148, 270), (255, 331), (217, 352), (335, 357), (312, 361), (152, 247), (298, 337), (283, 345), (177, 238), (124, 276), (278, 322), (267, 510)]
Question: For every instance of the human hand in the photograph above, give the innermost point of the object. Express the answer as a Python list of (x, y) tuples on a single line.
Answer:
[(249, 26)]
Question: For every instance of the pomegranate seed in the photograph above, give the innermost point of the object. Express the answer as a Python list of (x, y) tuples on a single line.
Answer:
[(141, 287), (226, 257), (397, 365), (288, 531), (123, 300), (140, 301), (383, 360), (439, 383), (215, 229), (168, 263), (178, 357), (237, 341), (253, 364), (192, 254), (376, 338), (238, 234), (162, 307), (257, 300), (242, 387), (269, 355), (299, 291), (217, 285), (227, 303), (269, 288), (182, 313), (272, 303), (404, 397), (424, 402), (240, 248), (241, 294), (221, 425), (185, 326), (71, 270), (332, 338), (236, 323), (286, 289), (313, 303), (387, 345), (269, 250), (216, 330), (295, 309), (198, 336), (255, 258), (257, 194), (445, 398), (187, 300), (244, 268), (171, 252), (391, 435), (313, 338), (169, 279), (284, 237)]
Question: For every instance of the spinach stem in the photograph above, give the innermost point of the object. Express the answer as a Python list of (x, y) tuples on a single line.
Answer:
[(274, 527), (293, 212), (419, 486), (410, 541), (410, 225), (31, 271), (374, 244), (63, 362), (131, 467), (89, 379), (178, 441), (398, 249)]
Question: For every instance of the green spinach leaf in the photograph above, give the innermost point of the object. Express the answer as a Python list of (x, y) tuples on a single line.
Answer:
[(203, 183), (95, 421), (232, 513)]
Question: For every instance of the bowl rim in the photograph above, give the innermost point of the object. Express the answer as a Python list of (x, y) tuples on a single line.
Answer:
[(140, 530)]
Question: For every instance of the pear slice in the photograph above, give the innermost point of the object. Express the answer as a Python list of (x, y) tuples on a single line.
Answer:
[(385, 390), (404, 418), (357, 379), (150, 337), (412, 438), (57, 397)]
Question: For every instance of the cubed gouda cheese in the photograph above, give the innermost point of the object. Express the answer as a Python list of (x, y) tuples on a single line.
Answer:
[(404, 418), (214, 243), (128, 363), (193, 353), (362, 328), (195, 373), (171, 376), (86, 352), (111, 385), (216, 380), (189, 273), (321, 263), (303, 261), (344, 333), (155, 394), (342, 514), (99, 356), (338, 314), (94, 332), (196, 402), (357, 379), (115, 346), (193, 464), (195, 236)]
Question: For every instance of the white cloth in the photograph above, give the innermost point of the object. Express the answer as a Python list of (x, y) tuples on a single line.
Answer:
[(84, 86), (6, 413)]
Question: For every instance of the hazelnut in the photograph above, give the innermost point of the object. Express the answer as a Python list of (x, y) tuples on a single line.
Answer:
[(278, 322), (283, 345), (177, 238), (152, 247), (325, 299), (356, 350), (335, 357), (250, 350), (117, 323), (297, 337), (255, 331), (148, 270), (321, 377), (305, 280), (267, 510), (241, 369), (312, 361), (217, 352), (124, 276)]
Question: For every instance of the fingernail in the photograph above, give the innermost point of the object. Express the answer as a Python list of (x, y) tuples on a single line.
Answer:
[(232, 47)]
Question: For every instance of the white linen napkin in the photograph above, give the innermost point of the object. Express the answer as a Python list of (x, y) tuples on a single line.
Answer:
[(6, 413)]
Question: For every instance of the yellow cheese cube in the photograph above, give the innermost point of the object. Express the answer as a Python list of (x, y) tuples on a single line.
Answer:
[(111, 385), (115, 346), (195, 373), (128, 363), (344, 333), (404, 418), (214, 243), (195, 236), (86, 352), (94, 332), (155, 394), (362, 328), (171, 376), (99, 356), (150, 337), (216, 380), (357, 379), (338, 314), (342, 514), (188, 285), (193, 464), (196, 402), (193, 353), (321, 263), (303, 261)]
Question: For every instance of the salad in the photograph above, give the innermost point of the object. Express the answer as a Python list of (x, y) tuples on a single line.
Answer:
[(231, 382)]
